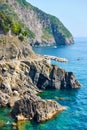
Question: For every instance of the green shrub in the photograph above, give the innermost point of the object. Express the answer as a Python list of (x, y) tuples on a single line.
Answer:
[(16, 28), (28, 33), (1, 40), (25, 33), (21, 38), (31, 34), (5, 22)]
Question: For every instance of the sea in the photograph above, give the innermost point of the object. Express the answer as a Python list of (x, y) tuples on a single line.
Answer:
[(75, 117)]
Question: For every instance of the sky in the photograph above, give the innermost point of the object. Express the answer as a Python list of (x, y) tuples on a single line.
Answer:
[(72, 13)]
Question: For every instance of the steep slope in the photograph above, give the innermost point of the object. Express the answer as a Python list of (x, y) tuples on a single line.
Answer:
[(44, 29)]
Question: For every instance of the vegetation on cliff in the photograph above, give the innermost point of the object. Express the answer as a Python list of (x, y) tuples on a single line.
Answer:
[(7, 24), (60, 27), (19, 16)]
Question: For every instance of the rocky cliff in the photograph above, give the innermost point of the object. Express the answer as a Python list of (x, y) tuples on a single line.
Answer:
[(44, 29), (23, 75)]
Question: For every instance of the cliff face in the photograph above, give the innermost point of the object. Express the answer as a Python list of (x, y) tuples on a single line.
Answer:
[(47, 29), (46, 76)]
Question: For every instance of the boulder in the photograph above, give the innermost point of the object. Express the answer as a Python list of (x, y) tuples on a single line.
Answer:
[(33, 107)]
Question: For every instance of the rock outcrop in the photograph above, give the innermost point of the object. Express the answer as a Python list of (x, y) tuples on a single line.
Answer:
[(23, 75), (20, 77), (37, 108), (46, 76), (15, 83)]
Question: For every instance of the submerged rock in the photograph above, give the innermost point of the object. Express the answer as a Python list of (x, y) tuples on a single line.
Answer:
[(2, 123)]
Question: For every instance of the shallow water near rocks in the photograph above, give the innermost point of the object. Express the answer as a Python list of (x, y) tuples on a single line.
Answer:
[(75, 117)]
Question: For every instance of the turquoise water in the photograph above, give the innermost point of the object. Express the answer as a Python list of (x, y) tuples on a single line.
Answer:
[(75, 117)]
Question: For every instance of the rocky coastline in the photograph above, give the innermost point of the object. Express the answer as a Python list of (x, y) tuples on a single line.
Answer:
[(24, 74)]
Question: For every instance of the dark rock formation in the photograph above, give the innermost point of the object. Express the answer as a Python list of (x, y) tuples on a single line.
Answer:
[(33, 107), (46, 76)]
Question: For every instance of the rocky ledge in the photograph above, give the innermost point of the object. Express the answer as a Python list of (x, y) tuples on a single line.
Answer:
[(23, 75)]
